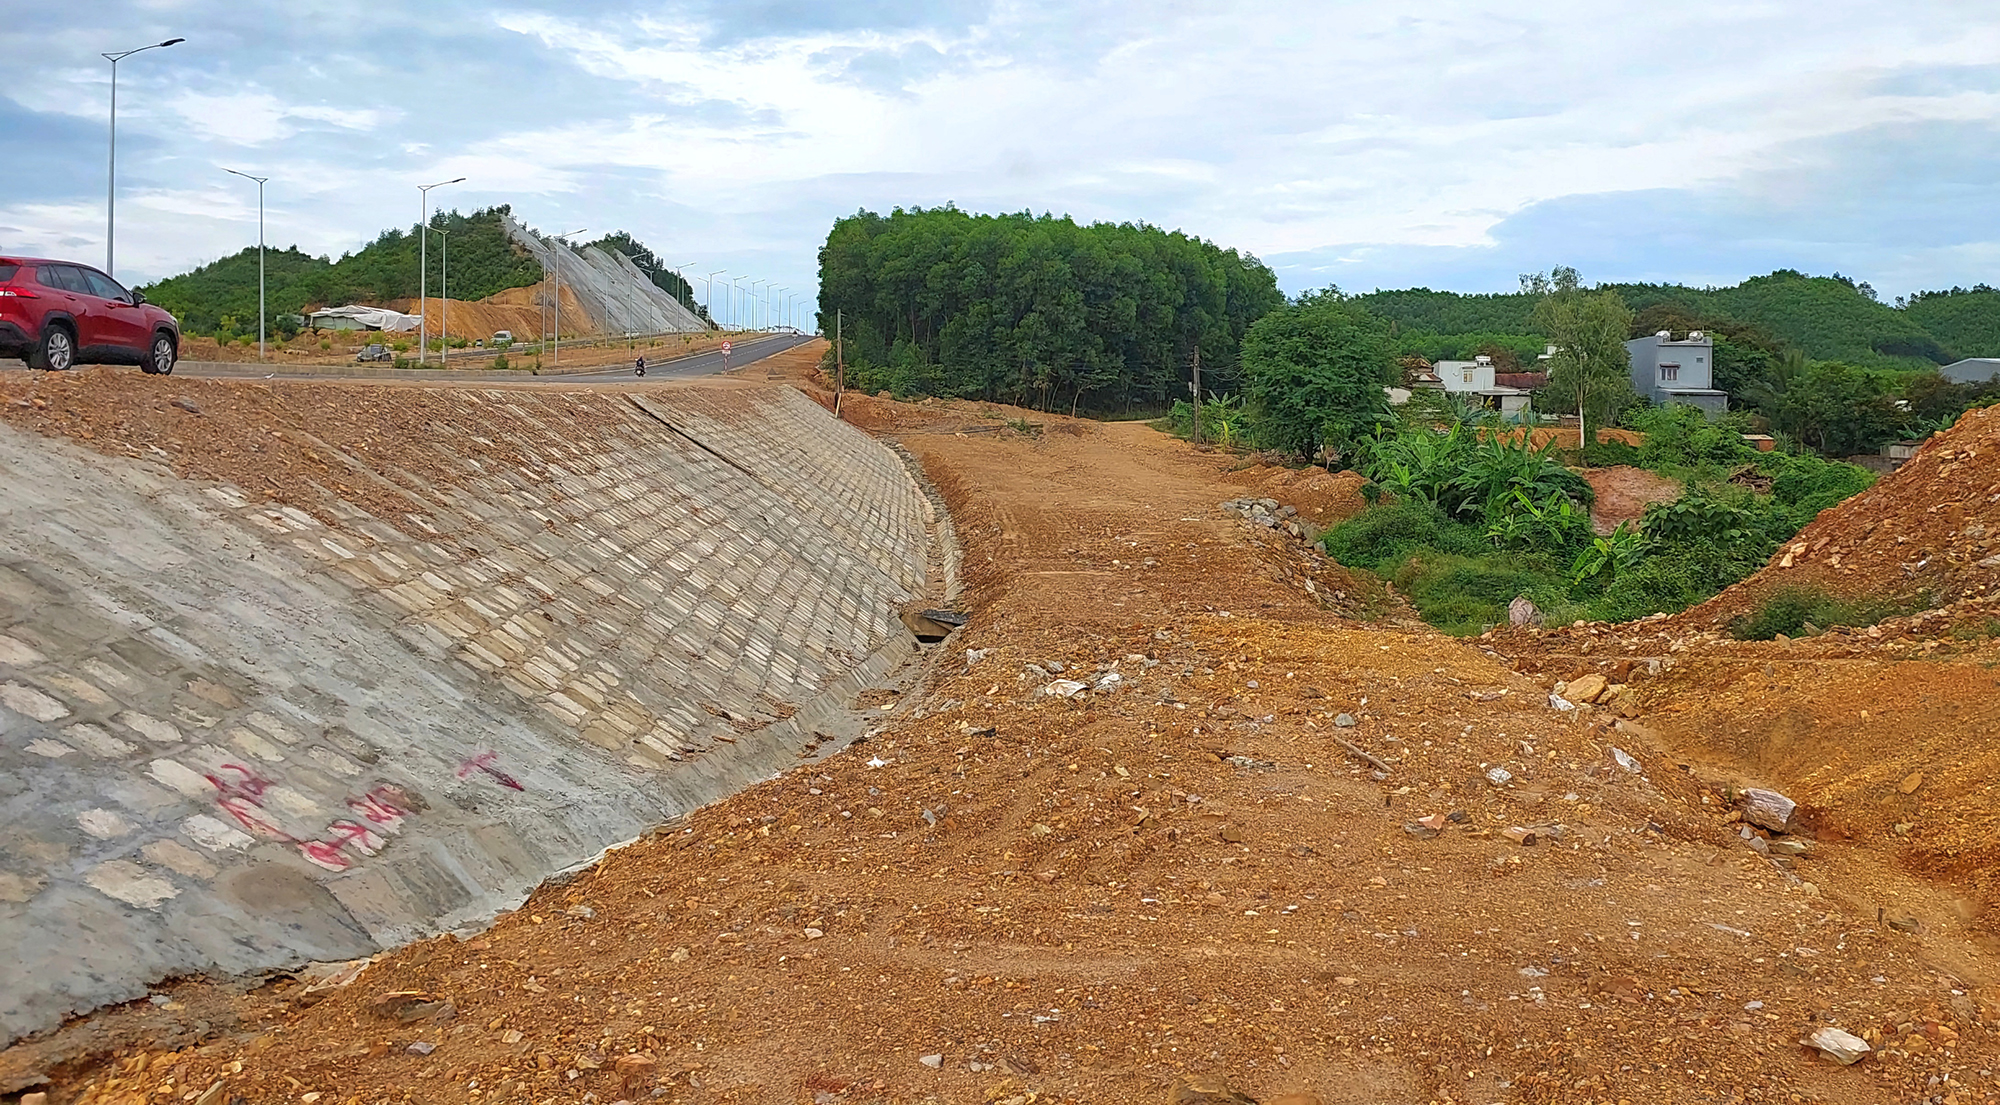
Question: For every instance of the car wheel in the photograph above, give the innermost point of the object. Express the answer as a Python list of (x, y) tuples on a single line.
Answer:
[(159, 360), (56, 352)]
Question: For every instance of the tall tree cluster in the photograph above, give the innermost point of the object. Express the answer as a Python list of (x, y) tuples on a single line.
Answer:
[(1037, 310)]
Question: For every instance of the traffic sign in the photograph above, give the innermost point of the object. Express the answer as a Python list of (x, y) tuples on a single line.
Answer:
[(725, 347)]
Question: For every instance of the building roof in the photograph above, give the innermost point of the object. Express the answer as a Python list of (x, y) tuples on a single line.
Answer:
[(1971, 369), (1527, 381)]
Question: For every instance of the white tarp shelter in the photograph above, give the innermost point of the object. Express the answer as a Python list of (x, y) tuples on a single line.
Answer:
[(364, 318)]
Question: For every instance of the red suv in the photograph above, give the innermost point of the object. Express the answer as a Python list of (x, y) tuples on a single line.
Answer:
[(58, 314)]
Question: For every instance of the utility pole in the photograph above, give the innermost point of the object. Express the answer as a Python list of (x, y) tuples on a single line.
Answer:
[(444, 300), (1196, 385), (839, 365)]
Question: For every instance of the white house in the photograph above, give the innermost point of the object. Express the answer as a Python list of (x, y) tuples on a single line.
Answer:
[(1475, 377)]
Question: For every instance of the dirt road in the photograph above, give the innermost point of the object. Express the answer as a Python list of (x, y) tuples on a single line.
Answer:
[(1264, 841)]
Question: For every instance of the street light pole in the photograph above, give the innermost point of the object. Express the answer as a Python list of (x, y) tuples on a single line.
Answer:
[(111, 176), (712, 320), (260, 256), (736, 298), (778, 308), (556, 359), (424, 265), (685, 283)]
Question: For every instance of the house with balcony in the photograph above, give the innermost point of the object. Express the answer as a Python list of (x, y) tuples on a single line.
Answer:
[(1667, 370)]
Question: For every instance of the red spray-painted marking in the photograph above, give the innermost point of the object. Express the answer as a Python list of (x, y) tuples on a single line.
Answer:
[(484, 762), (242, 793)]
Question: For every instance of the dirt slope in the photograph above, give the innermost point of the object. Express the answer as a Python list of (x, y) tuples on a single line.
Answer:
[(1010, 895), (1931, 528)]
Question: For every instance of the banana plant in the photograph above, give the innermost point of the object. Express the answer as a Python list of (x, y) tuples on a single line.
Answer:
[(1615, 554)]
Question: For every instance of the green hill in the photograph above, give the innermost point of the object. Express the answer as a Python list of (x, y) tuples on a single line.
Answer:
[(1966, 322), (1826, 317), (483, 261)]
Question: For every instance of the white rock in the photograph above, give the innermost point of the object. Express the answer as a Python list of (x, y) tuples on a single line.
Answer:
[(936, 1061), (1064, 688), (1844, 1048)]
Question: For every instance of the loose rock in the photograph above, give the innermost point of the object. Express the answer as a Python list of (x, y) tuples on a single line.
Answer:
[(1768, 809), (1844, 1048)]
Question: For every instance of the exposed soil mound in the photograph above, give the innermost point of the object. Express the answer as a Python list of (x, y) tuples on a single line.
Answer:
[(1928, 534), (1624, 493)]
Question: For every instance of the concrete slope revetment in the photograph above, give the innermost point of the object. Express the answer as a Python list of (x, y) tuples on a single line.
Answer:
[(236, 735), (610, 289)]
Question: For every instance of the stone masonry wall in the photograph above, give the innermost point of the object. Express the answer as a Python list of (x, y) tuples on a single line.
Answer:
[(235, 736)]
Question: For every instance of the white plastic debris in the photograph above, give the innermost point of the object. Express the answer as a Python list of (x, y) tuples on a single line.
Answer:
[(1624, 759), (1064, 688), (1499, 776), (1558, 702), (877, 761), (1844, 1048)]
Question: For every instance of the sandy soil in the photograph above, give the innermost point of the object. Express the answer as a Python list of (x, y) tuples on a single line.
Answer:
[(1273, 851)]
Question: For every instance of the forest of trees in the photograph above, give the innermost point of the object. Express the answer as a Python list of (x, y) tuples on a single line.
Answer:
[(1825, 317), (1037, 310), (484, 260)]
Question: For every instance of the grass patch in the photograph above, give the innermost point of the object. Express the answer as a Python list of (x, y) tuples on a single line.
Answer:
[(1805, 611), (1466, 596)]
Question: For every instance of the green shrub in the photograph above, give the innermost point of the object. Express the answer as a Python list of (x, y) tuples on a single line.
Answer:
[(1380, 538), (500, 362), (1680, 437), (1669, 579), (1808, 484)]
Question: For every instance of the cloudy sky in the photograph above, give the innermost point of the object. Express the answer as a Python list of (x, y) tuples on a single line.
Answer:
[(1452, 143)]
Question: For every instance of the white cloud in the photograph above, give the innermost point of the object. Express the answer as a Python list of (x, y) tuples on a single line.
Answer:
[(256, 118), (1341, 129)]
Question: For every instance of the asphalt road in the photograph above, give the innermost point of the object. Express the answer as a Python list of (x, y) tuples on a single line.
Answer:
[(680, 368)]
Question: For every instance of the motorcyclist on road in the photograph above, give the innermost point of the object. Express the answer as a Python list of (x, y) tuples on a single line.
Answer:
[(639, 367)]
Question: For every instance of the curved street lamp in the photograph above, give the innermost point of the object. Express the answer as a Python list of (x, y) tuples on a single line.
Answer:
[(111, 177), (260, 256)]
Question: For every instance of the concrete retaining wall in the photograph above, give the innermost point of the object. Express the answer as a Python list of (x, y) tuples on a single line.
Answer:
[(234, 737)]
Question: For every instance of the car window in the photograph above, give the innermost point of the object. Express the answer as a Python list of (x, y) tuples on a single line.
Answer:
[(7, 272), (103, 286), (60, 277), (72, 278)]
